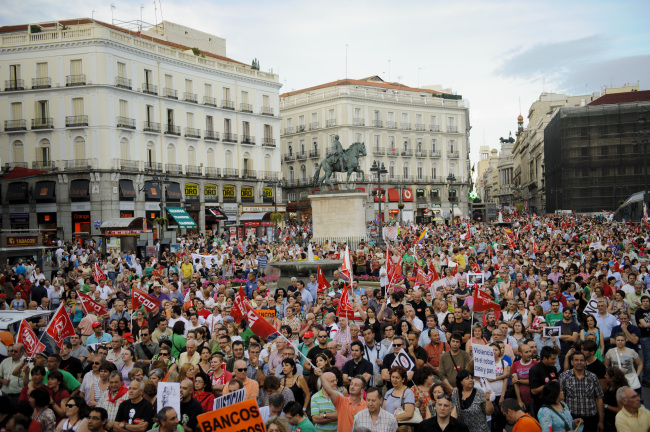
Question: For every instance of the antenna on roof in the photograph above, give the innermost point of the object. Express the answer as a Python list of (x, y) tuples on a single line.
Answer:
[(141, 8), (112, 9), (155, 8), (162, 20)]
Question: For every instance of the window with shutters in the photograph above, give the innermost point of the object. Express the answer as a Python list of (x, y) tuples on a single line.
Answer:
[(125, 152), (210, 161), (207, 89), (42, 70), (244, 97), (189, 88), (267, 163), (148, 77), (246, 129), (79, 150), (434, 172), (190, 120), (124, 108), (151, 154), (77, 107), (228, 159), (169, 81), (266, 100), (17, 111), (121, 70), (149, 113), (14, 72), (209, 124), (76, 67), (170, 117), (191, 156), (226, 126), (171, 153), (19, 152), (405, 170), (42, 112), (226, 94)]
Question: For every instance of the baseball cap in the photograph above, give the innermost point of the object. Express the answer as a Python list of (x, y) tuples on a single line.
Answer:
[(3, 296), (96, 324), (309, 334), (128, 337)]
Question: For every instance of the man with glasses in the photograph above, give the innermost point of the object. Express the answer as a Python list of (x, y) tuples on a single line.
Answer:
[(12, 385), (146, 349), (92, 377), (295, 415), (399, 343), (337, 359), (252, 387), (387, 341), (237, 354), (97, 420)]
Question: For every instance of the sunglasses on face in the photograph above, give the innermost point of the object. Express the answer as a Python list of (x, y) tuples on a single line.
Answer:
[(241, 369), (444, 397)]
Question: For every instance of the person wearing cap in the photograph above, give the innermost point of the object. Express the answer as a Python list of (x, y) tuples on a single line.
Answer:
[(158, 294), (99, 336)]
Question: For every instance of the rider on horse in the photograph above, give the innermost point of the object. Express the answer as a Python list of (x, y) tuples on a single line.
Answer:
[(339, 153)]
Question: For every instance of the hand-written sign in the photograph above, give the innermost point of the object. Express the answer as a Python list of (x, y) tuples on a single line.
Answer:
[(266, 313), (484, 361), (243, 416), (229, 399)]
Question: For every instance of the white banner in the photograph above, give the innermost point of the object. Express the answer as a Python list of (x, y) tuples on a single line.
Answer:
[(169, 395), (389, 233), (208, 260), (484, 361), (229, 399)]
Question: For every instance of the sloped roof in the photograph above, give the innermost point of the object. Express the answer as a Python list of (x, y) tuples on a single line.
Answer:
[(373, 81), (80, 21), (618, 98), (20, 172)]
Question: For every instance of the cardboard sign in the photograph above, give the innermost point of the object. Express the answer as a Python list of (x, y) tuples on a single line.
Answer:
[(484, 361), (229, 399), (404, 360), (552, 331), (592, 307), (475, 279), (243, 416), (266, 313)]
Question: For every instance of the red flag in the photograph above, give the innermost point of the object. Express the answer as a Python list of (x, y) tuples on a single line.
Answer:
[(484, 301), (60, 327), (476, 268), (535, 247), (286, 237), (27, 337), (345, 308), (98, 274), (420, 275), (455, 271), (240, 246), (90, 306), (433, 274), (243, 309), (321, 280), (141, 298), (528, 227)]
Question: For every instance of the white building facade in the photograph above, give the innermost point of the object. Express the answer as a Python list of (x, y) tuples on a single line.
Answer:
[(421, 136), (112, 111)]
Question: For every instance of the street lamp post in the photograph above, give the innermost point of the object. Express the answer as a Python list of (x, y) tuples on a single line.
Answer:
[(161, 181), (274, 184), (451, 179), (400, 205), (379, 170), (643, 134)]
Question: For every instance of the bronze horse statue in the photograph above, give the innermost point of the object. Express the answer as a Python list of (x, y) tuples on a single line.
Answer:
[(348, 162)]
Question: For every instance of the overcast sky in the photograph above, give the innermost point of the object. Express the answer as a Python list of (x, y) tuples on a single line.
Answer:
[(494, 53)]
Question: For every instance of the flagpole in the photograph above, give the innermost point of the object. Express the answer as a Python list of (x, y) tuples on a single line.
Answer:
[(295, 348)]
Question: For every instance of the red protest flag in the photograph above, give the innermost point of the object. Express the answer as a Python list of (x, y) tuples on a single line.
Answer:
[(141, 298), (535, 247), (27, 337), (242, 309), (433, 274), (321, 280), (90, 306), (476, 268), (60, 327), (346, 267), (98, 274), (484, 301), (345, 308)]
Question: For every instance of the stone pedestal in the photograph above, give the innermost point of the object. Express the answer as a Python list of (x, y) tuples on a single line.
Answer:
[(338, 215)]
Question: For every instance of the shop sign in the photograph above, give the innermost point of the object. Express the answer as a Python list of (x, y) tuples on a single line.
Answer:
[(436, 205), (19, 218), (251, 224), (247, 194), (422, 205), (393, 211), (267, 194), (267, 223), (209, 192), (230, 208), (22, 241), (81, 217), (126, 214), (261, 209), (123, 232), (229, 193), (191, 192)]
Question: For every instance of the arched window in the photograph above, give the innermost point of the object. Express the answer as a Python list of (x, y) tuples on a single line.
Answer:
[(191, 156), (228, 159), (303, 172), (210, 161), (79, 150), (391, 170), (124, 149), (44, 152), (420, 170), (19, 152), (171, 153), (291, 174), (151, 155)]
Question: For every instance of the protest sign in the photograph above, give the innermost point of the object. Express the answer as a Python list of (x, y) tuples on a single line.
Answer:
[(404, 360), (552, 331), (229, 399), (484, 361), (169, 395), (592, 308), (265, 313), (243, 416)]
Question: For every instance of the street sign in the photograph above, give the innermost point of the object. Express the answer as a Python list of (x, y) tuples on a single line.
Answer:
[(444, 214), (96, 224)]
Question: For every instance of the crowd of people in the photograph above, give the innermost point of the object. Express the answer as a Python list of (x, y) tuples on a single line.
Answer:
[(569, 329)]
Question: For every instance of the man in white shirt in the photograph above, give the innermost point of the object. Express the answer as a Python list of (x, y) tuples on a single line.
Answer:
[(105, 291)]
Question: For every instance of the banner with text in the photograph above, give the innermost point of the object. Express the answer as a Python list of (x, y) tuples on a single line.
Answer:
[(484, 361)]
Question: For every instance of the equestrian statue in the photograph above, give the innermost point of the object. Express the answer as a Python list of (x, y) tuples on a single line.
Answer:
[(344, 161)]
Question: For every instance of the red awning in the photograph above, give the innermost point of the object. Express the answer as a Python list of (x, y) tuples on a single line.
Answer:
[(361, 189), (383, 197), (20, 172), (407, 195), (393, 195), (393, 211)]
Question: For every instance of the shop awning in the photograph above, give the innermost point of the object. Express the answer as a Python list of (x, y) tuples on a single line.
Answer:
[(383, 194), (79, 189), (249, 217), (173, 192), (457, 212), (407, 195), (217, 213), (393, 195), (44, 190), (181, 217), (17, 192), (121, 223), (126, 189), (152, 191)]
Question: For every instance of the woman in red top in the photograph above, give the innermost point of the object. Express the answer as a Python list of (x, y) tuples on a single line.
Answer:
[(203, 391), (218, 374)]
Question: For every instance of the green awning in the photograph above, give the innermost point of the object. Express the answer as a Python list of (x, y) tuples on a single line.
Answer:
[(181, 217)]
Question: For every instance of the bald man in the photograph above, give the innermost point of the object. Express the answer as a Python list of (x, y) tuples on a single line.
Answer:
[(252, 387), (190, 407)]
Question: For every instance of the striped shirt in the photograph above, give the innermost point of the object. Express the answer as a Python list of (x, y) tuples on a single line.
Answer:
[(320, 405), (386, 422)]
